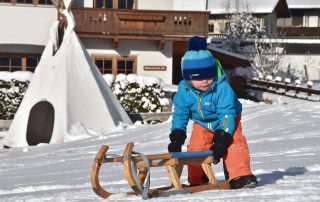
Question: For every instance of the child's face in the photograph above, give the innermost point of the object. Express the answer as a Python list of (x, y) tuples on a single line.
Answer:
[(202, 85)]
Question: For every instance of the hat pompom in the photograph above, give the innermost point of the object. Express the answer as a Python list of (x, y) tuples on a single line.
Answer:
[(197, 43)]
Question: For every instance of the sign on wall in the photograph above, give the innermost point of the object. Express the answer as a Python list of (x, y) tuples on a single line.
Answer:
[(154, 68)]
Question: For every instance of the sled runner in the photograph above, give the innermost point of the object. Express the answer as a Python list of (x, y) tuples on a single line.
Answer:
[(137, 170)]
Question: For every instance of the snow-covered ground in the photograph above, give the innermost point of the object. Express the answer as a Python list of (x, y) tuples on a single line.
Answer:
[(284, 142)]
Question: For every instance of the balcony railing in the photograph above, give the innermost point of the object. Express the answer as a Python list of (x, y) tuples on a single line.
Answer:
[(135, 24), (301, 32)]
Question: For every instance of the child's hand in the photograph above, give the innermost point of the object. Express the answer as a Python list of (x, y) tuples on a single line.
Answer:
[(177, 138), (174, 147), (221, 142)]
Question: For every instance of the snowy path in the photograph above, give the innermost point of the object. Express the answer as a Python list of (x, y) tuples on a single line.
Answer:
[(284, 141)]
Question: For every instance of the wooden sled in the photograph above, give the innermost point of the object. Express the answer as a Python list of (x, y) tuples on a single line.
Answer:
[(137, 167)]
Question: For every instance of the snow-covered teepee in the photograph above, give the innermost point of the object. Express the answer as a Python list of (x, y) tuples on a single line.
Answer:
[(67, 95)]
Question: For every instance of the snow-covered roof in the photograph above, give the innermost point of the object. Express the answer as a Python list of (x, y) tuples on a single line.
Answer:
[(255, 6), (213, 48), (297, 41), (305, 4)]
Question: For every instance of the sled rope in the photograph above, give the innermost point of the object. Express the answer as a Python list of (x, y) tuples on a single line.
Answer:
[(145, 188), (142, 189), (106, 156)]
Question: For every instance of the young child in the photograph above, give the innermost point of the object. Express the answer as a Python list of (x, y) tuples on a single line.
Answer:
[(207, 98)]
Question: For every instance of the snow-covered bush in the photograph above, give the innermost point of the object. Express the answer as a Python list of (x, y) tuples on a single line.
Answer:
[(109, 78), (12, 89), (140, 94), (244, 26)]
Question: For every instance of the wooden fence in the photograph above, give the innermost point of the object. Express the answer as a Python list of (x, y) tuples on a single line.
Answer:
[(160, 116), (283, 88)]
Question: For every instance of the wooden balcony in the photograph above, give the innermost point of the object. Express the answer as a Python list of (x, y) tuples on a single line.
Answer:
[(301, 32), (140, 24)]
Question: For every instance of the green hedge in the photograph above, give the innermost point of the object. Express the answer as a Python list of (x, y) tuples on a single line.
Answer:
[(11, 94), (133, 97), (136, 98)]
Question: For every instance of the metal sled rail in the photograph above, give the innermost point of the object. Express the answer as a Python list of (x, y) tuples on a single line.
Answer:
[(138, 180)]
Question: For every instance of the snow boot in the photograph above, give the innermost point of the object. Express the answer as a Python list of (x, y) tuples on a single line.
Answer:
[(247, 181)]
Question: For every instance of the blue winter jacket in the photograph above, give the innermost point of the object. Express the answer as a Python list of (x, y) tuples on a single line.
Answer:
[(213, 109)]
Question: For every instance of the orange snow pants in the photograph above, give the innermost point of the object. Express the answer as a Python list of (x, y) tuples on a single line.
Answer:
[(237, 158)]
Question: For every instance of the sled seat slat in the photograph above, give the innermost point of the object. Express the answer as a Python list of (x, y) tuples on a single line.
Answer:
[(174, 162), (193, 154), (165, 157)]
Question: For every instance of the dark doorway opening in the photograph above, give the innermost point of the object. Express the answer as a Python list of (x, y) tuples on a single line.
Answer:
[(179, 48), (40, 123)]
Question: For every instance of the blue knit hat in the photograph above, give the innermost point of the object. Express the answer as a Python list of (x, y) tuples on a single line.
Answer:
[(198, 63)]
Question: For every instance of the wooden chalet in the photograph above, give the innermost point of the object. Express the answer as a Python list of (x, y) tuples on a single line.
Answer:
[(304, 22), (122, 36)]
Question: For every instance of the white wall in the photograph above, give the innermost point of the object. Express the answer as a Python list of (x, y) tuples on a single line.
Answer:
[(297, 62), (155, 4), (142, 4), (88, 3), (24, 24), (190, 5), (147, 53)]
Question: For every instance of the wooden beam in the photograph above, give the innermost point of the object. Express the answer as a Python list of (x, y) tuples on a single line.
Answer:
[(97, 188), (174, 176), (160, 45), (134, 37), (141, 17), (115, 4), (115, 43), (208, 170)]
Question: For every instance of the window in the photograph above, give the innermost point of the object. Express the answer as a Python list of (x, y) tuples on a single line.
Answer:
[(284, 22), (311, 21), (104, 4), (25, 1), (18, 62), (117, 4), (34, 2), (32, 63), (10, 63), (104, 65), (125, 4), (227, 28), (125, 66), (211, 27), (267, 28), (4, 63), (115, 64), (45, 2)]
